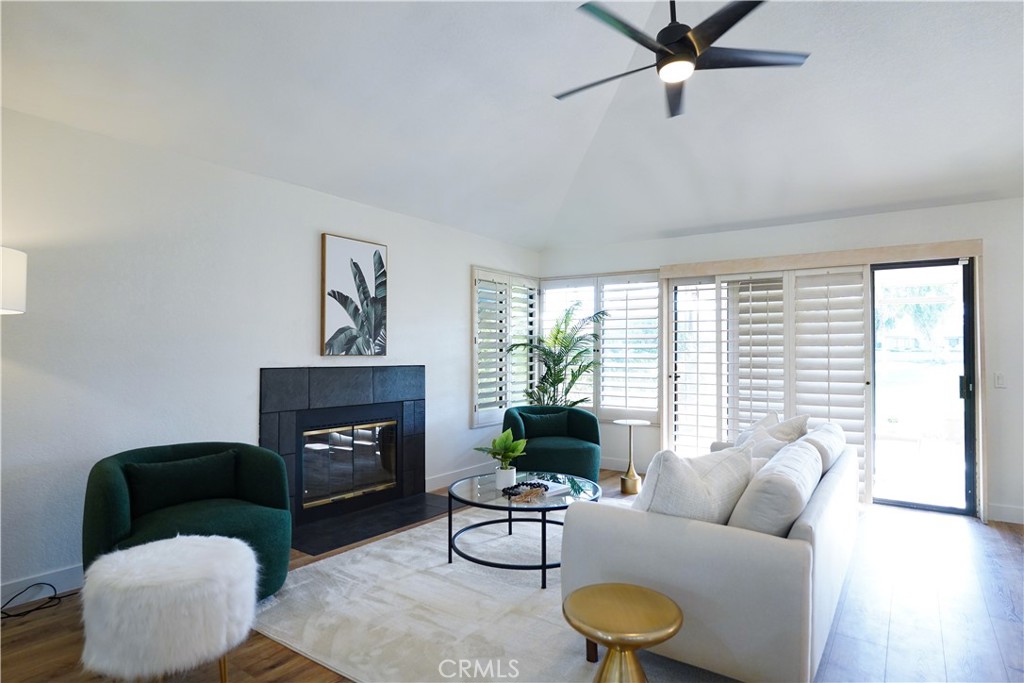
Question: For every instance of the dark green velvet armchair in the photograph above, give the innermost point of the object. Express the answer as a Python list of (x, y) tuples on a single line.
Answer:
[(560, 439), (205, 489)]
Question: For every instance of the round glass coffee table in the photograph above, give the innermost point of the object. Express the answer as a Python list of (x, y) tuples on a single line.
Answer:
[(481, 492)]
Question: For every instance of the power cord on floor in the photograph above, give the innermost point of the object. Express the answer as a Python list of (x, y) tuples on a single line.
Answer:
[(51, 601)]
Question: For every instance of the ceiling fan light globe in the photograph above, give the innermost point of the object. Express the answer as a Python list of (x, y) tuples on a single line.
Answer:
[(676, 70)]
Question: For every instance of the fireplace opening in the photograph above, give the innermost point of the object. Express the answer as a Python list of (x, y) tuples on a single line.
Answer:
[(347, 461), (348, 458)]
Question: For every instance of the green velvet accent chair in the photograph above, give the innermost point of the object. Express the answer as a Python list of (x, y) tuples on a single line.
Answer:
[(205, 489), (559, 439)]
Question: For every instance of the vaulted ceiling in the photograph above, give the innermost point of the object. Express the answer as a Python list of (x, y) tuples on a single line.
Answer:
[(444, 110)]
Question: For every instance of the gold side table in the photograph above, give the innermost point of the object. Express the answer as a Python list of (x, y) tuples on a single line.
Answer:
[(629, 483), (623, 618)]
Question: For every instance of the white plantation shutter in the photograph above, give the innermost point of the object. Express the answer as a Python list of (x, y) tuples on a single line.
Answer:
[(695, 362), (754, 362), (489, 339), (830, 355), (626, 384), (629, 347), (504, 312), (523, 295), (796, 343)]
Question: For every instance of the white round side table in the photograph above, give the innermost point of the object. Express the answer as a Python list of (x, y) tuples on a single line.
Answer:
[(629, 483)]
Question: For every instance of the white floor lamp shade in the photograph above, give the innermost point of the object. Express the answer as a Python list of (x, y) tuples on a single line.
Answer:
[(13, 280)]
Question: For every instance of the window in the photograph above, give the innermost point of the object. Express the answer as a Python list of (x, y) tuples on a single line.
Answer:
[(831, 363), (754, 353), (504, 313), (626, 384), (629, 347), (694, 398), (743, 346), (556, 297)]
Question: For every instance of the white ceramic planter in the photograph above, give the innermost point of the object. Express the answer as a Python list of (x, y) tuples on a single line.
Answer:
[(504, 478)]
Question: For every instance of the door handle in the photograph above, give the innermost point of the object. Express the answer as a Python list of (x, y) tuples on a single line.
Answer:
[(965, 387)]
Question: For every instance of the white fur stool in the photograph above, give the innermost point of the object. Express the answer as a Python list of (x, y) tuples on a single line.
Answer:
[(168, 606)]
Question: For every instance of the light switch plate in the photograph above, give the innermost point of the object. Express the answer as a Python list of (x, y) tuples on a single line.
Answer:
[(1000, 380)]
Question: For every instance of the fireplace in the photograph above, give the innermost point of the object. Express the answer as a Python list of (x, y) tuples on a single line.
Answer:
[(351, 438), (346, 461)]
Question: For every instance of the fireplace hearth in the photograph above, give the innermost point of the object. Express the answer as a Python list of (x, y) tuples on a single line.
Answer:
[(351, 438)]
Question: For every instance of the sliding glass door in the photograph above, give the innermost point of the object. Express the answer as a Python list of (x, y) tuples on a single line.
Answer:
[(794, 343), (924, 385)]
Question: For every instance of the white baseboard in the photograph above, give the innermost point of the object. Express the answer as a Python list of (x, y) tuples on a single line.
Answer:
[(1013, 514), (443, 481), (67, 579), (619, 464)]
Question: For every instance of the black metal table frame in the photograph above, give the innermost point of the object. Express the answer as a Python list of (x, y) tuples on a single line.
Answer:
[(544, 565), (543, 521)]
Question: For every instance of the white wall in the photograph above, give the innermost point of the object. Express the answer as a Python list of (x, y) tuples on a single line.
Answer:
[(1000, 224), (158, 287)]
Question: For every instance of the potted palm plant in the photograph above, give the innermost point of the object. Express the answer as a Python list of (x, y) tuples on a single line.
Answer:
[(505, 449), (566, 355)]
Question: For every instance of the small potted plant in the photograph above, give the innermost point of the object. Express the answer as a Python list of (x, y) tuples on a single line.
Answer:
[(504, 449)]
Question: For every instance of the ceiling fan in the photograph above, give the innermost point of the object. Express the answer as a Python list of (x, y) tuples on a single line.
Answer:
[(680, 50)]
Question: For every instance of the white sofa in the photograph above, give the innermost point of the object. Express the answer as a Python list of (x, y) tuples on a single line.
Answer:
[(756, 607)]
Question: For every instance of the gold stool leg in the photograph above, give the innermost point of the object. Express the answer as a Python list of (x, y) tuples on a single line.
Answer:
[(224, 668), (620, 666)]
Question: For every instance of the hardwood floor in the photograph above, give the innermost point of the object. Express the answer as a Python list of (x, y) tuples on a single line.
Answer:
[(929, 597)]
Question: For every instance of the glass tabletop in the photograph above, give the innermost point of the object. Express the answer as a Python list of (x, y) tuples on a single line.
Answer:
[(480, 491)]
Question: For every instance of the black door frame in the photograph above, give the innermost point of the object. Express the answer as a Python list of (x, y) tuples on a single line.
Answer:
[(968, 386)]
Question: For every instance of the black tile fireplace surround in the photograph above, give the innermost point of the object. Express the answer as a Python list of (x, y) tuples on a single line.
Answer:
[(294, 399)]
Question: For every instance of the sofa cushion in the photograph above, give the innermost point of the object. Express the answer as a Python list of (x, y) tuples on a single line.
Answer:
[(550, 424), (789, 430), (757, 464), (779, 492), (156, 485), (768, 420), (704, 488), (267, 530), (830, 440), (547, 444), (561, 454), (764, 445)]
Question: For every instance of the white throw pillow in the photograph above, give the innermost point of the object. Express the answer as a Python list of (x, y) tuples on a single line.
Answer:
[(779, 492), (764, 445), (756, 464), (768, 420), (704, 488), (789, 430), (830, 440), (650, 482)]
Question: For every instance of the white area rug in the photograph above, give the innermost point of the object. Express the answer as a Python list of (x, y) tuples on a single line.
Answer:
[(395, 610)]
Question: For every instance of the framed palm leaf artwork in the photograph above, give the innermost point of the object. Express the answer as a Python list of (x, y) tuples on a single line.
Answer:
[(354, 297)]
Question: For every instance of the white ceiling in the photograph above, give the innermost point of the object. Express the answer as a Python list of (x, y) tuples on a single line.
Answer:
[(444, 110)]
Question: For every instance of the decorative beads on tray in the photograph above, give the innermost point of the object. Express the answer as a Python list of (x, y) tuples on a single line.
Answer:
[(524, 492)]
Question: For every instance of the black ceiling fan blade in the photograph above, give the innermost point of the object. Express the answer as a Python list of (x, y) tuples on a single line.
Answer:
[(624, 27), (733, 58), (711, 29), (674, 94), (567, 93)]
